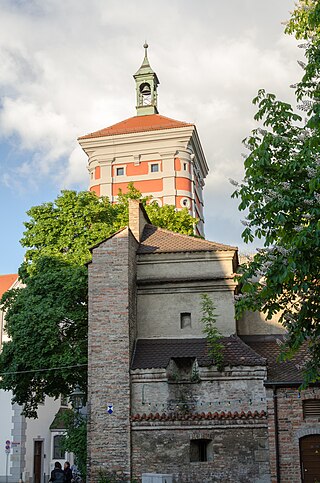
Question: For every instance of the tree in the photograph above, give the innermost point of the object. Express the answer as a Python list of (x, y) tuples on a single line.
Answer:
[(47, 319), (281, 193)]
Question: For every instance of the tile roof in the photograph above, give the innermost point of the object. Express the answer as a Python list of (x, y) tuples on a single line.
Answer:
[(159, 240), (156, 353), (59, 421), (180, 416), (151, 122), (270, 348), (6, 282)]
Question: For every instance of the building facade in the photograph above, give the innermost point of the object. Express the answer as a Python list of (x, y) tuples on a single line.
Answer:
[(158, 403)]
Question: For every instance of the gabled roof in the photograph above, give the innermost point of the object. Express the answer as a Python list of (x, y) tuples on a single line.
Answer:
[(151, 122), (6, 282), (159, 240), (278, 372), (156, 353)]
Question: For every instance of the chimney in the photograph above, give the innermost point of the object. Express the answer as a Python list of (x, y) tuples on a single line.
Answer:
[(138, 218)]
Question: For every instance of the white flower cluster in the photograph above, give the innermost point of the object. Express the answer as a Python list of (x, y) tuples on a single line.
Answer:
[(286, 185), (233, 182), (302, 64), (311, 172), (261, 131), (317, 196), (298, 228), (245, 223)]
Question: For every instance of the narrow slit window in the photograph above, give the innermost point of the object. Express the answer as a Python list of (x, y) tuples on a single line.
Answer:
[(185, 320), (199, 450)]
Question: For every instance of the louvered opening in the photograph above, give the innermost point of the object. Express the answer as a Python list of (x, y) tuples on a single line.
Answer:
[(311, 408)]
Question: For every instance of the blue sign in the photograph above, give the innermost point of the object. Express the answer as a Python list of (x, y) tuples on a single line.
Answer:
[(110, 408)]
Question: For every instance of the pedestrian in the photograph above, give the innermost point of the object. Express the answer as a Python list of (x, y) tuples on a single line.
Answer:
[(57, 473), (67, 472)]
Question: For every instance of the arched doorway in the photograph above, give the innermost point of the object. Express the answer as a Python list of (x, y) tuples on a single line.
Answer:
[(310, 458)]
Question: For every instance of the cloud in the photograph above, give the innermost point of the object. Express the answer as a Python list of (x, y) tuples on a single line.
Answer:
[(67, 70)]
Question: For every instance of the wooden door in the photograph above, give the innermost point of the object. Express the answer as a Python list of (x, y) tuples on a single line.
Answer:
[(310, 458), (37, 461)]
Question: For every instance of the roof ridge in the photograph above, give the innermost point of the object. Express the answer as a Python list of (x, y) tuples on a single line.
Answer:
[(113, 127), (198, 239)]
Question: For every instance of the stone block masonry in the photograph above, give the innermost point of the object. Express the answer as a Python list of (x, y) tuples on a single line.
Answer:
[(111, 316)]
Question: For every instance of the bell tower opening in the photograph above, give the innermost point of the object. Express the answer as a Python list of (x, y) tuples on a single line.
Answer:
[(146, 87)]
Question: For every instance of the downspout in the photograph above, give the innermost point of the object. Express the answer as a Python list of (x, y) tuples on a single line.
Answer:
[(276, 433)]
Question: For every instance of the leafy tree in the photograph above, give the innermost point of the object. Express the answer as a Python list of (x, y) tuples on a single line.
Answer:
[(281, 193), (47, 319), (75, 439), (47, 325)]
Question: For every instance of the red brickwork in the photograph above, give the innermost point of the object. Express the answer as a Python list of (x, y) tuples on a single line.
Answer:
[(111, 299), (291, 427)]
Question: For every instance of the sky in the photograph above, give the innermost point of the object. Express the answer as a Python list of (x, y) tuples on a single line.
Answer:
[(66, 70)]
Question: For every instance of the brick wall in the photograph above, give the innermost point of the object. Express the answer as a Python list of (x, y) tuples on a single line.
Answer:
[(111, 301), (239, 453), (291, 427)]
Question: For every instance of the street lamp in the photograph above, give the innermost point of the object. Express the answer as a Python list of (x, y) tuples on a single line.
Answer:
[(77, 398)]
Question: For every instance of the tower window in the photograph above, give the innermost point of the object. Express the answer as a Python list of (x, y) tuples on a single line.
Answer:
[(154, 168), (199, 450), (185, 166), (120, 171), (185, 320)]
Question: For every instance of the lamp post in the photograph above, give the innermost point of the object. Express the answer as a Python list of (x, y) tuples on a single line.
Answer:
[(77, 398)]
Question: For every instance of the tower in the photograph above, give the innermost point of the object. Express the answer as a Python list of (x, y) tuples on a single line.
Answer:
[(163, 157)]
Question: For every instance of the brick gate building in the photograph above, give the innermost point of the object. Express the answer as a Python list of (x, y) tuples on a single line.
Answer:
[(157, 401)]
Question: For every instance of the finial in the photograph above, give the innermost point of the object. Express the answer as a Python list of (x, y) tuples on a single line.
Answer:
[(145, 45)]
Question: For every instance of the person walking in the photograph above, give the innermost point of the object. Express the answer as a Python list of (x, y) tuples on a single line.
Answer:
[(67, 472), (57, 474)]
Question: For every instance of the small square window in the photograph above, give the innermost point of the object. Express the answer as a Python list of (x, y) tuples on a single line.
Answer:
[(185, 320), (154, 168), (199, 449), (120, 171)]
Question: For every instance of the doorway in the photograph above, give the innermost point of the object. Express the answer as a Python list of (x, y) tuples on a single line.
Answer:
[(310, 458), (37, 461)]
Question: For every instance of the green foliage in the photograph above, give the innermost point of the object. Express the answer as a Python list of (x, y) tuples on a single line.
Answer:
[(47, 320), (209, 319), (47, 325), (75, 439), (281, 194)]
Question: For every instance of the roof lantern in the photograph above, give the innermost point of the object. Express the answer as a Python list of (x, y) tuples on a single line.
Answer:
[(146, 87)]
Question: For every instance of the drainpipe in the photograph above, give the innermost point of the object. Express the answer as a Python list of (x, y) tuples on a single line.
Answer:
[(276, 433)]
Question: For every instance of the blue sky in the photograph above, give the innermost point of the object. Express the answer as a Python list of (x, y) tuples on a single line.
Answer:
[(67, 70)]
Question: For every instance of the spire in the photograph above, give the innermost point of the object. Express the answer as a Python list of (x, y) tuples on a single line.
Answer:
[(146, 87)]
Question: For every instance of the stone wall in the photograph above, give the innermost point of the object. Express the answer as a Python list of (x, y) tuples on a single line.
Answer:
[(291, 427), (111, 299), (238, 452)]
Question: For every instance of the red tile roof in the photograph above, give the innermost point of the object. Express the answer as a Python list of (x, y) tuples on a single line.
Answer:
[(156, 353), (6, 282), (198, 416), (159, 240), (152, 122)]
